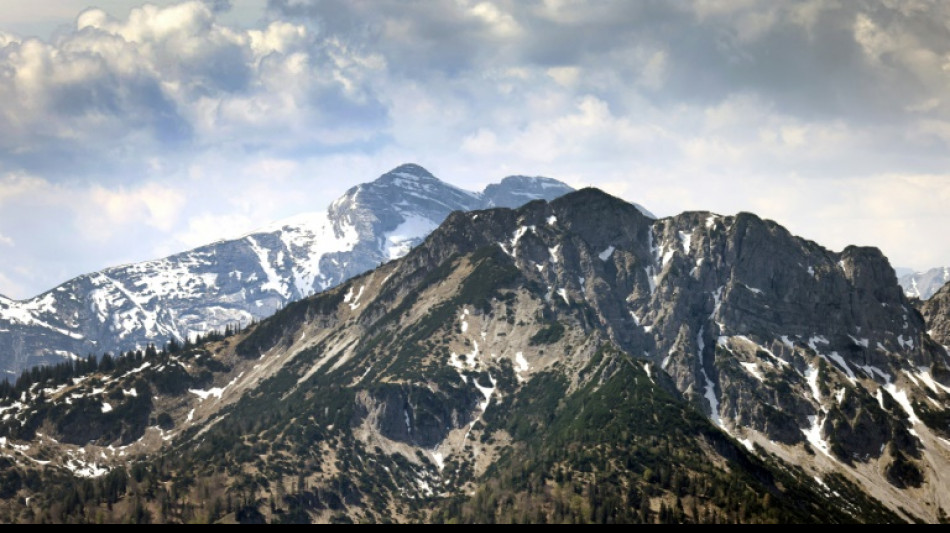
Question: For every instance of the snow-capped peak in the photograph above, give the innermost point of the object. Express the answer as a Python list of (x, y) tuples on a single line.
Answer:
[(924, 285), (250, 277)]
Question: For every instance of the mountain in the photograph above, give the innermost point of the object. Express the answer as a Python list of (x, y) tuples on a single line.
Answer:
[(936, 313), (924, 285), (237, 281), (565, 361)]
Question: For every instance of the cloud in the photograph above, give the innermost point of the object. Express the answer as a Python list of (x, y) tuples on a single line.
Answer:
[(174, 83), (204, 229), (155, 205), (173, 80), (156, 128), (6, 241), (219, 6)]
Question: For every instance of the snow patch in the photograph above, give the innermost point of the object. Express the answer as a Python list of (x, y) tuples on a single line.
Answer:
[(839, 396), (753, 369), (717, 297), (879, 395), (900, 396), (907, 344), (668, 256), (813, 343), (356, 300), (85, 470), (844, 365), (813, 436), (521, 366), (487, 392), (470, 360), (516, 238), (274, 281), (694, 272), (687, 240), (636, 319), (710, 393), (651, 279), (872, 370), (860, 342), (811, 377), (563, 294), (925, 377), (763, 349), (757, 292), (400, 240), (216, 392), (607, 254)]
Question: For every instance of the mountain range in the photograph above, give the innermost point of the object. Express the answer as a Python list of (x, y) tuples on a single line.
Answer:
[(237, 281), (568, 361), (923, 285)]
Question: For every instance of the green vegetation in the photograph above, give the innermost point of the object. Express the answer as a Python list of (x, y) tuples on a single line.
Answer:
[(621, 450), (936, 419), (903, 473), (548, 335), (270, 333)]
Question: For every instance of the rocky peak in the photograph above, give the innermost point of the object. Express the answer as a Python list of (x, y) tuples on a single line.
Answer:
[(924, 285), (936, 313), (408, 191), (409, 171), (514, 190), (737, 310), (235, 281)]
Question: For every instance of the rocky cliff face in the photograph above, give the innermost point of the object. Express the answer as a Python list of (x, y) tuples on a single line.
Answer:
[(237, 281), (565, 340)]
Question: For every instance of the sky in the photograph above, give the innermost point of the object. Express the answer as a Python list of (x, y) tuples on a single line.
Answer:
[(131, 131)]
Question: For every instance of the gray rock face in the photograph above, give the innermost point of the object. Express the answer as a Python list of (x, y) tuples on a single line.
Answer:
[(418, 416), (515, 191), (763, 330), (936, 313), (240, 280), (924, 285)]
